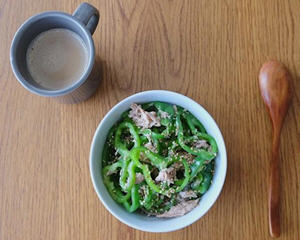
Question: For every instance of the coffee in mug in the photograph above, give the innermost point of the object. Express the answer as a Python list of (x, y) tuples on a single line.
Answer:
[(56, 58)]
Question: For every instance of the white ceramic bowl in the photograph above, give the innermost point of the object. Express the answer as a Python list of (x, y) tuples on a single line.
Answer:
[(143, 222)]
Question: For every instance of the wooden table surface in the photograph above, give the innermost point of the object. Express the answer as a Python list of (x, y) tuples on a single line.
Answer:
[(208, 50)]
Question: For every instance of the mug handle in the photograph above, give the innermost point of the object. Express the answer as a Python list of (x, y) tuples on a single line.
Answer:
[(88, 15)]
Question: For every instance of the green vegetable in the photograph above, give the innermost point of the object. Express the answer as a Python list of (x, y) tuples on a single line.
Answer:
[(197, 166), (130, 150), (127, 175), (135, 200), (164, 107), (204, 185), (208, 155), (115, 192), (120, 146), (193, 123), (155, 159)]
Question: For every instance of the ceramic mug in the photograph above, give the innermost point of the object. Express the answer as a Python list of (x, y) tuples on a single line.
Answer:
[(83, 22)]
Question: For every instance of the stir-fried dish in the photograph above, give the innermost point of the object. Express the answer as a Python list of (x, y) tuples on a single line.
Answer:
[(158, 160)]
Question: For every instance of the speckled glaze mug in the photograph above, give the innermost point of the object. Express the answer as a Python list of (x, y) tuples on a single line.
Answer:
[(83, 22)]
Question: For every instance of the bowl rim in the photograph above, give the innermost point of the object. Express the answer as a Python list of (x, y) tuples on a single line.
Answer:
[(93, 145)]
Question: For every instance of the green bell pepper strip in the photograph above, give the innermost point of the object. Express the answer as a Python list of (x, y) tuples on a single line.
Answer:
[(165, 107), (169, 121), (135, 153), (208, 155), (204, 178), (121, 148), (124, 175), (158, 146), (186, 176), (197, 166), (193, 123), (197, 181), (113, 167), (131, 177), (156, 160), (210, 140), (150, 181), (115, 193), (210, 166), (135, 199), (143, 139), (204, 185), (127, 175), (155, 137), (152, 134)]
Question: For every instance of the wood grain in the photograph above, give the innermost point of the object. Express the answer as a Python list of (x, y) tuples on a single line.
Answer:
[(208, 50)]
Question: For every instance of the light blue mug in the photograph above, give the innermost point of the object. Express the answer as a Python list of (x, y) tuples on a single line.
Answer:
[(83, 22)]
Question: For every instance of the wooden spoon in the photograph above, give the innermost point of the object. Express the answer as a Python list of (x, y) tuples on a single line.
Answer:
[(274, 83)]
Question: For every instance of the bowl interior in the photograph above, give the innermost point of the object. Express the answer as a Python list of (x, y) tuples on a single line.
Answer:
[(143, 222)]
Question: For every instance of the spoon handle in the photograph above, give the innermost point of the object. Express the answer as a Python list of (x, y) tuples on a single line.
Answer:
[(274, 190)]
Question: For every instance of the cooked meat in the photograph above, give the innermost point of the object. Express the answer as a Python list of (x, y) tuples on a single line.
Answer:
[(166, 175), (139, 178), (143, 118), (201, 144), (180, 209), (187, 194)]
